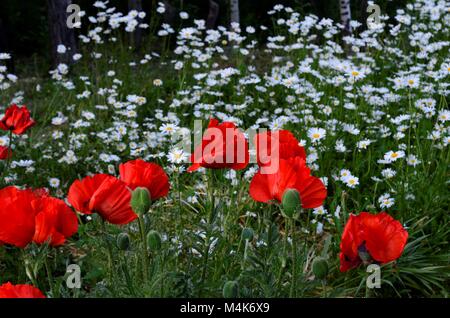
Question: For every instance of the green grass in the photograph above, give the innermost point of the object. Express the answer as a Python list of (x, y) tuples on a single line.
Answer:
[(262, 266)]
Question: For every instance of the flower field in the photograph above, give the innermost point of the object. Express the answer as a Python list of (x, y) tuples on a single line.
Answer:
[(321, 169)]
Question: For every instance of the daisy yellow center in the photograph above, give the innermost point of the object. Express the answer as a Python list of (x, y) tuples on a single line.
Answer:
[(394, 155), (316, 135), (355, 73)]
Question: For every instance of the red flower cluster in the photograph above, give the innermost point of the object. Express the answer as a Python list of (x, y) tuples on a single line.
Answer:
[(291, 171), (32, 216), (17, 119), (110, 197), (5, 153), (104, 194), (223, 146), (9, 290), (375, 236), (138, 173), (280, 144)]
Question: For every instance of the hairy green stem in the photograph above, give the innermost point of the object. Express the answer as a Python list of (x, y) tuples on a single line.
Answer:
[(294, 260), (144, 248)]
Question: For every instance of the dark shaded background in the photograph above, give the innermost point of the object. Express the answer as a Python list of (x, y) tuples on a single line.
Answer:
[(26, 27)]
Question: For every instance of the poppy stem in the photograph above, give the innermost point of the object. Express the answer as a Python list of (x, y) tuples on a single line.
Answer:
[(110, 253), (324, 291), (29, 270), (49, 276), (144, 247), (294, 260), (126, 273)]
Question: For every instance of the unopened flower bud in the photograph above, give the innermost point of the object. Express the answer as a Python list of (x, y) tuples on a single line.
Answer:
[(320, 268), (247, 234), (291, 202), (140, 200), (123, 241), (230, 289), (154, 240)]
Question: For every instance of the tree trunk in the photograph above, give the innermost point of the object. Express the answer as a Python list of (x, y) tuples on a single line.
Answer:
[(59, 32), (346, 16), (137, 34), (5, 46), (213, 14), (316, 8), (234, 11), (364, 14), (170, 14)]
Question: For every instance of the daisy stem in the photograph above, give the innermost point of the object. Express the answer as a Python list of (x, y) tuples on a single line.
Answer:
[(178, 217), (208, 229), (8, 162), (8, 158), (144, 247)]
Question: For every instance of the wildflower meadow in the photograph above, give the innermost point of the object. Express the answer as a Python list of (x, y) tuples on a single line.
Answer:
[(298, 158)]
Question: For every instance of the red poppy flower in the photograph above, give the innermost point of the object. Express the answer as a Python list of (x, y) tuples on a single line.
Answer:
[(377, 236), (55, 221), (81, 191), (138, 173), (291, 174), (104, 194), (17, 119), (223, 146), (5, 153), (280, 144), (17, 216), (9, 290)]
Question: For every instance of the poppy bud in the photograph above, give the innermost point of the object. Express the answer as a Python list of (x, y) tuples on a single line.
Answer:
[(154, 240), (140, 200), (291, 202), (247, 234), (320, 268), (230, 289), (123, 241), (283, 261)]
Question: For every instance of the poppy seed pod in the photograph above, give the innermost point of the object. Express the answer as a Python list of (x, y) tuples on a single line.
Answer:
[(291, 202), (231, 289), (320, 268), (123, 241), (154, 240), (140, 200), (247, 234), (364, 254)]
